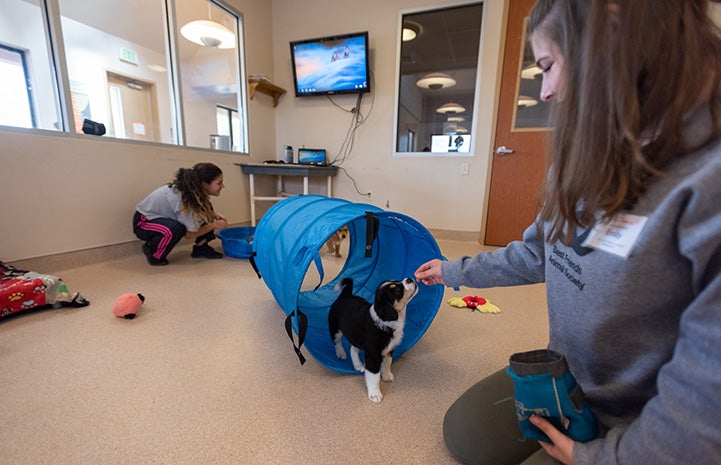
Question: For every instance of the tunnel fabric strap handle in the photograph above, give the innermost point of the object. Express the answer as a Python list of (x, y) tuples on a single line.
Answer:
[(251, 259), (302, 255), (319, 265), (302, 328), (372, 224)]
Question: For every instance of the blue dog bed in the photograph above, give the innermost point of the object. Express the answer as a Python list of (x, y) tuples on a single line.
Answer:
[(383, 245)]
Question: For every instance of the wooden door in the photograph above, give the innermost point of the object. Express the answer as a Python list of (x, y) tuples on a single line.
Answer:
[(132, 108), (516, 177)]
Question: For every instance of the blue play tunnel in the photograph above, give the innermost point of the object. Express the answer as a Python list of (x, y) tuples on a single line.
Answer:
[(383, 245)]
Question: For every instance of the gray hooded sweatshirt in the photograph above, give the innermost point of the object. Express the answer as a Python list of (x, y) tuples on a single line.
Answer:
[(638, 316)]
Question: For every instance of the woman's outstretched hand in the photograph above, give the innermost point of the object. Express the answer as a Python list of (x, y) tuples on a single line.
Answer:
[(430, 273)]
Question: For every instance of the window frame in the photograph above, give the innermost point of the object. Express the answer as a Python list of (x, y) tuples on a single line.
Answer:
[(51, 18), (26, 80), (473, 130)]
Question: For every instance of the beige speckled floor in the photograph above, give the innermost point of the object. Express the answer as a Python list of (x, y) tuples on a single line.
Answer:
[(206, 374)]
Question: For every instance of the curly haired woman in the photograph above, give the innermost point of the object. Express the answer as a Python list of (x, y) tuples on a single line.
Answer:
[(181, 209)]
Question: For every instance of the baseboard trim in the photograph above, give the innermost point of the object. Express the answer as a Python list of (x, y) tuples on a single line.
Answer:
[(57, 263), (62, 261), (52, 264), (449, 235)]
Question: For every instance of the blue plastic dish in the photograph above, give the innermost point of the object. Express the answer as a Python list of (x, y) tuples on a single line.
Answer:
[(237, 242)]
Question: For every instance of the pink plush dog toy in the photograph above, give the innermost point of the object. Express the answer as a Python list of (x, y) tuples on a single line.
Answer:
[(128, 305)]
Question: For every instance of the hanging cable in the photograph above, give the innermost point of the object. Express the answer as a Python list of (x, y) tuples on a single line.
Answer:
[(355, 186), (356, 120)]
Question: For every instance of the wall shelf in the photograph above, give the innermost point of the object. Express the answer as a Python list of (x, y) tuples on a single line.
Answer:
[(266, 87)]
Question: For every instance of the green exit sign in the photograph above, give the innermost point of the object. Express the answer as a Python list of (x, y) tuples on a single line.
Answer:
[(128, 56)]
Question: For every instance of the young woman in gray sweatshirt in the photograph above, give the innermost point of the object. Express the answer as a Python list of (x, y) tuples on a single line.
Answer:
[(627, 242)]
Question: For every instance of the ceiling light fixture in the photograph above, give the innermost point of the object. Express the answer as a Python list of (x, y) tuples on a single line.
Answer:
[(455, 119), (410, 31), (408, 34), (157, 68), (208, 33), (450, 128), (530, 72), (454, 128), (435, 81), (526, 101), (450, 108)]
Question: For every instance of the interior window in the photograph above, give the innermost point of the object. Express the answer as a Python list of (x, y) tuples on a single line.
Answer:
[(531, 112), (438, 69), (209, 70), (228, 124), (124, 69), (28, 94), (117, 69), (16, 100)]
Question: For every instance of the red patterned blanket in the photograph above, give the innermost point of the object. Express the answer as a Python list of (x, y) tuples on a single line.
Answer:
[(22, 290)]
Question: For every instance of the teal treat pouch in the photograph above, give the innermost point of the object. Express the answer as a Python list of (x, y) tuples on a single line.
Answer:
[(544, 386)]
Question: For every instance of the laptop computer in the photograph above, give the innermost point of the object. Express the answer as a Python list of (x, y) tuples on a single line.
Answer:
[(312, 157)]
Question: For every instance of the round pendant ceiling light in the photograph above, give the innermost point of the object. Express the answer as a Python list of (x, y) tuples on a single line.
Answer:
[(410, 31), (530, 72), (526, 101), (435, 81), (450, 108), (208, 34)]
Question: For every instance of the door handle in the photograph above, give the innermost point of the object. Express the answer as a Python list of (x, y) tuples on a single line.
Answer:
[(502, 150)]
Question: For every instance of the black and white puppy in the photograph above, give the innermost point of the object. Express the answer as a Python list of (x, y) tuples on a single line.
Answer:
[(375, 329)]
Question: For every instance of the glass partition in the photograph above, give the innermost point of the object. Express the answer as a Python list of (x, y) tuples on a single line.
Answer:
[(28, 94), (531, 112), (438, 72), (146, 70), (117, 69), (210, 73)]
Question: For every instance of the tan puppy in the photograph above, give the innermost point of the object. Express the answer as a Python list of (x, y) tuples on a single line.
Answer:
[(333, 243)]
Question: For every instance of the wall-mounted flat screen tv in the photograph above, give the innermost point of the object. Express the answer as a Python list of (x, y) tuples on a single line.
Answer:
[(331, 65)]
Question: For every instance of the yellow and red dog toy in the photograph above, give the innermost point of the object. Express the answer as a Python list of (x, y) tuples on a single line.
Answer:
[(475, 303)]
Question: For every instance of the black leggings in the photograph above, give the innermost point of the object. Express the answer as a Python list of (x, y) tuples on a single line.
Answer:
[(162, 234)]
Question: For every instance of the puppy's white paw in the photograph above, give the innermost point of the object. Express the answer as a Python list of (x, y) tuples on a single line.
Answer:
[(340, 352), (359, 367), (374, 390), (357, 364)]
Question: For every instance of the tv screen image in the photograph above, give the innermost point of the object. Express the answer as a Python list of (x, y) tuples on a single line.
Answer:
[(331, 65)]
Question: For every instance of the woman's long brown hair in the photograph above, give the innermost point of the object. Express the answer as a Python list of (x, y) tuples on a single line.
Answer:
[(634, 69), (194, 198)]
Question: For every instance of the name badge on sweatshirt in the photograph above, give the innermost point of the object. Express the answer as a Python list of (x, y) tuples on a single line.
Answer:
[(617, 235)]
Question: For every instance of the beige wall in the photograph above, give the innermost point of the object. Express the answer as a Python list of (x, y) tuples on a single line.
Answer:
[(63, 192), (431, 190)]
